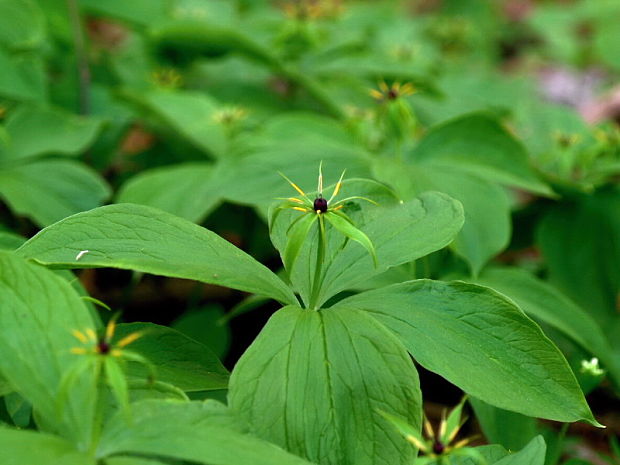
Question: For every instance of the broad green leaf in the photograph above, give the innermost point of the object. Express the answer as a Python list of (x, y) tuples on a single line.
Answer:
[(39, 311), (50, 190), (486, 230), (29, 447), (579, 241), (532, 454), (10, 241), (188, 190), (132, 461), (511, 430), (142, 12), (545, 303), (487, 215), (480, 341), (207, 324), (22, 25), (57, 132), (145, 239), (478, 144), (399, 234), (491, 453), (18, 409), (314, 382), (22, 78), (191, 114), (202, 432), (178, 359)]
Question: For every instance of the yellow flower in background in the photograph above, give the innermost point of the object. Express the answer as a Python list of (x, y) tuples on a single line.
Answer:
[(393, 92)]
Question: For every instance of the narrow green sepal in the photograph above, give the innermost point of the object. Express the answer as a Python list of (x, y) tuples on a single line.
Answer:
[(345, 226)]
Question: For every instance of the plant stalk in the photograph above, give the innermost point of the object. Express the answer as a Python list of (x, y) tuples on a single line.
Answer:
[(318, 268)]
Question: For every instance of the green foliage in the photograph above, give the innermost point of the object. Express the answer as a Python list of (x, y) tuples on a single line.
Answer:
[(479, 144)]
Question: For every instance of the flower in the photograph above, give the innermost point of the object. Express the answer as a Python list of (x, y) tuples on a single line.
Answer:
[(592, 367), (437, 444), (393, 92), (103, 345), (320, 209)]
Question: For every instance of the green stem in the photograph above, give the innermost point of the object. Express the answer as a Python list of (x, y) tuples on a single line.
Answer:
[(99, 407), (318, 268)]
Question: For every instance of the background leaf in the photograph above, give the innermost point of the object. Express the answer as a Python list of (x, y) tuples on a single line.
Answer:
[(50, 190), (188, 190), (178, 359)]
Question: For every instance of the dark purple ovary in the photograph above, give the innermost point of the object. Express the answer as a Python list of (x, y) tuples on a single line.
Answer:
[(320, 205)]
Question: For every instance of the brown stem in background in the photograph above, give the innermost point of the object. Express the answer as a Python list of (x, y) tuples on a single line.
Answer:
[(80, 56)]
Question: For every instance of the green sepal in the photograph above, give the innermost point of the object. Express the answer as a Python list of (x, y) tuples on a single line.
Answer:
[(116, 380), (453, 422), (298, 232), (343, 224)]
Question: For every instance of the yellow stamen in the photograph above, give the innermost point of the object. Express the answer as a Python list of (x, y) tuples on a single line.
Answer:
[(91, 334), (297, 188), (320, 184), (462, 443), (443, 424), (295, 199), (383, 86), (338, 207), (299, 209), (109, 331), (428, 428), (374, 93), (129, 339), (79, 335), (78, 350), (337, 188), (416, 442), (116, 353)]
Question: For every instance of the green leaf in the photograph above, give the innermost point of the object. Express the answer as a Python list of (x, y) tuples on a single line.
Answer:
[(145, 239), (142, 12), (203, 432), (480, 341), (22, 25), (313, 382), (50, 190), (39, 310), (344, 225), (207, 325), (579, 241), (486, 230), (178, 359), (18, 409), (58, 132), (532, 454), (10, 241), (187, 190), (511, 430), (399, 234), (28, 447), (191, 114), (545, 303), (479, 145), (22, 78), (132, 461)]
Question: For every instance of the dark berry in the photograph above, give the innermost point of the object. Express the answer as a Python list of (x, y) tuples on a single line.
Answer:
[(392, 94), (103, 347), (320, 205), (438, 447)]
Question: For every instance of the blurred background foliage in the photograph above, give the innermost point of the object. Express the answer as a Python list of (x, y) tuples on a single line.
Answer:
[(193, 106)]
